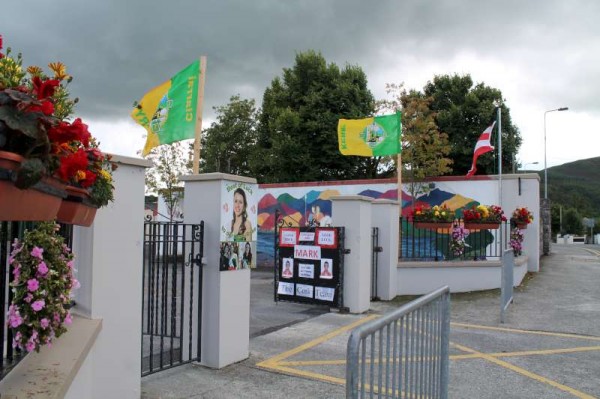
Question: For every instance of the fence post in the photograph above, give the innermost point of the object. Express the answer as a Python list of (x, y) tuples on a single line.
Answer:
[(445, 343), (385, 217), (225, 294), (354, 213)]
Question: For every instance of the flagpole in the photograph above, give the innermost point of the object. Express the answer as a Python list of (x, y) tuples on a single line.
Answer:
[(198, 128), (399, 170), (500, 155)]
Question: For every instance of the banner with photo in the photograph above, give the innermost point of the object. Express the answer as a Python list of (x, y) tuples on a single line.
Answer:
[(238, 232)]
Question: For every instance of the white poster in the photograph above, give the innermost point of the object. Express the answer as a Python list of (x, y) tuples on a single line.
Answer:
[(324, 293), (307, 236), (285, 288), (306, 270), (238, 211), (309, 252), (304, 290)]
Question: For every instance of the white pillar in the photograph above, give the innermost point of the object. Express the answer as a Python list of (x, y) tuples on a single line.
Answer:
[(225, 294), (354, 213), (109, 256), (386, 217)]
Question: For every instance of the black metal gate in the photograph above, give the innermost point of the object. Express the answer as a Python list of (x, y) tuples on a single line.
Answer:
[(172, 295), (309, 264)]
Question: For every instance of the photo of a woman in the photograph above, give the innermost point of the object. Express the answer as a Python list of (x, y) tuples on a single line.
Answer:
[(247, 256), (241, 228)]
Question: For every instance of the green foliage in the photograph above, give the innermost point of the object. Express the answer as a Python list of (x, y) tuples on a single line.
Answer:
[(424, 146), (463, 111), (572, 222), (228, 143), (297, 130)]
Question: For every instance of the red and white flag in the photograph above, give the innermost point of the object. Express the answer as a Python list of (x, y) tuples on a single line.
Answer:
[(483, 145)]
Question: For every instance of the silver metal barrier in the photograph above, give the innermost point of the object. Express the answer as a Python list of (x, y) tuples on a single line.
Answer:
[(404, 354), (506, 288)]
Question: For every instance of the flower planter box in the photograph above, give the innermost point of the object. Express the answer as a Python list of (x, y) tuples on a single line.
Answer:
[(75, 210), (433, 225), (38, 203), (482, 226)]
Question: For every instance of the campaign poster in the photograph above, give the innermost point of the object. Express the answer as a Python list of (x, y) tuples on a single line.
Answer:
[(238, 233)]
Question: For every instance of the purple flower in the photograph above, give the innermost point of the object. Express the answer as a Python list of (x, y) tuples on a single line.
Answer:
[(28, 298), (37, 252), (14, 317), (33, 285), (42, 268), (38, 305), (44, 323)]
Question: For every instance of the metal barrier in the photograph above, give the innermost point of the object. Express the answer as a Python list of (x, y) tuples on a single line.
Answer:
[(434, 244), (404, 354), (506, 288)]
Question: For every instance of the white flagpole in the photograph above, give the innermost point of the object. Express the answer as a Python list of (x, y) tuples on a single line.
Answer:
[(500, 156)]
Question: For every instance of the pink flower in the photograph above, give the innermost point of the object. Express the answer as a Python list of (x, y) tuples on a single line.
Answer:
[(42, 268), (70, 264), (44, 323), (28, 298), (75, 285), (14, 317), (30, 346), (33, 285), (37, 252), (38, 305), (68, 319)]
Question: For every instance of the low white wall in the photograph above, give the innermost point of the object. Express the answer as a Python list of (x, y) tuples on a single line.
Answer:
[(418, 278)]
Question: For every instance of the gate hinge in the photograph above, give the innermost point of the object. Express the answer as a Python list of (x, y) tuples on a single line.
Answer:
[(377, 249)]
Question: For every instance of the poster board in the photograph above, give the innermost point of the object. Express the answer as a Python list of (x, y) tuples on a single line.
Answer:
[(309, 265)]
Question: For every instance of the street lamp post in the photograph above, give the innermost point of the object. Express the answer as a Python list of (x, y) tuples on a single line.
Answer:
[(545, 166)]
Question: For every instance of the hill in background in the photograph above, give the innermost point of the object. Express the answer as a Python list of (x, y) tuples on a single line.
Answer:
[(575, 185)]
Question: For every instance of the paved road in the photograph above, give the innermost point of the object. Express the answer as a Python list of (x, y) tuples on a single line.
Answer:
[(548, 348)]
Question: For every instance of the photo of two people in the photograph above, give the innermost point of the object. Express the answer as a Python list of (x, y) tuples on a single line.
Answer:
[(287, 268)]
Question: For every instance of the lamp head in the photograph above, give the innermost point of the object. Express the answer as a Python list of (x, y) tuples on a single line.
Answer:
[(563, 109)]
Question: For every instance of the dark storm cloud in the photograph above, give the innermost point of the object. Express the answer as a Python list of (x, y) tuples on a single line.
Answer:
[(117, 50)]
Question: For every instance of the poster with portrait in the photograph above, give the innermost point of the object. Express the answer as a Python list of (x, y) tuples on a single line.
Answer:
[(238, 232), (287, 268)]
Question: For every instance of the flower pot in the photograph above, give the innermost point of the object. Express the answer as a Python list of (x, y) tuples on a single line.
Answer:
[(519, 224), (75, 210), (482, 225), (433, 225), (38, 203)]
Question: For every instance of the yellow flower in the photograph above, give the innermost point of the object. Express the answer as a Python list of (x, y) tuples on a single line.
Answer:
[(437, 213), (105, 175), (34, 70), (59, 69)]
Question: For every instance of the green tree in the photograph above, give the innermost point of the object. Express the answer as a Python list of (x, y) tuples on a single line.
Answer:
[(228, 143), (424, 147), (297, 132), (170, 162), (572, 221), (463, 111)]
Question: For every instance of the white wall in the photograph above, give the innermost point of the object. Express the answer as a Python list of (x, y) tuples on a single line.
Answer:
[(109, 262)]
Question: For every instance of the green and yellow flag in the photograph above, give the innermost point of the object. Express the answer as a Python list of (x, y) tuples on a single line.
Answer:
[(370, 137), (168, 112)]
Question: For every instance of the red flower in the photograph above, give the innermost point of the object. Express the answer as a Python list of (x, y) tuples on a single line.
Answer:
[(44, 89), (88, 180), (65, 132), (46, 107), (0, 42), (71, 164)]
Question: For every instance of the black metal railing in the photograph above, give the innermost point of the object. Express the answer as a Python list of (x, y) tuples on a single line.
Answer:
[(430, 244), (172, 296)]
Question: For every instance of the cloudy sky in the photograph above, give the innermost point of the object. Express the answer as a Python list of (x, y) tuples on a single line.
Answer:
[(541, 54)]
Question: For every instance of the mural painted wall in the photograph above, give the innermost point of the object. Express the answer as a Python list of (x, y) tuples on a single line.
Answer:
[(303, 203)]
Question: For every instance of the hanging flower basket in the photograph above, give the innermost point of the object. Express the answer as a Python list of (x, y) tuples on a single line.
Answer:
[(520, 225), (38, 203), (75, 209), (433, 225), (482, 226)]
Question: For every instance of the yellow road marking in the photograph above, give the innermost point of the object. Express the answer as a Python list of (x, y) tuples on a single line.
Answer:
[(592, 251), (541, 352), (534, 332), (526, 373), (275, 359)]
